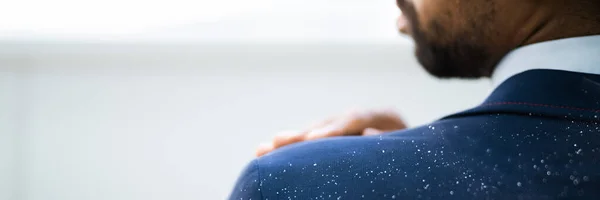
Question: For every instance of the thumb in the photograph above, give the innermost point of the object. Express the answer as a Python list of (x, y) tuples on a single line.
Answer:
[(372, 131)]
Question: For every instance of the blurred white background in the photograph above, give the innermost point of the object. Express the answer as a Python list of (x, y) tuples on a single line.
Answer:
[(142, 100)]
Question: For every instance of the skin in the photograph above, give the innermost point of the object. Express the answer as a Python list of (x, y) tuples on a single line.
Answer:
[(461, 39)]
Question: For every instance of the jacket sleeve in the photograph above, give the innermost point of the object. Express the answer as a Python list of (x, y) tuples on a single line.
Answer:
[(248, 184)]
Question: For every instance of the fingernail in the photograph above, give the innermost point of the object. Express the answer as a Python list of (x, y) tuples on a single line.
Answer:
[(372, 131), (264, 148), (319, 133)]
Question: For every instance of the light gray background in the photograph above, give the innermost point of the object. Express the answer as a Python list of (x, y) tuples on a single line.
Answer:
[(145, 121), (168, 99)]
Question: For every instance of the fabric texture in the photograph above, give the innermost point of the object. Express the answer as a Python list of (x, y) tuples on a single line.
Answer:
[(535, 137)]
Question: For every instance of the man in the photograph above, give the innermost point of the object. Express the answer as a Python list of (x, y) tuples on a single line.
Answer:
[(535, 137)]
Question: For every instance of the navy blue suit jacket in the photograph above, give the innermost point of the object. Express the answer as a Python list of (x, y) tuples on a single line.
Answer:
[(535, 137)]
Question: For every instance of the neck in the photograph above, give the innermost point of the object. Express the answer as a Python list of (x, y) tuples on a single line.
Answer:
[(534, 23), (561, 20)]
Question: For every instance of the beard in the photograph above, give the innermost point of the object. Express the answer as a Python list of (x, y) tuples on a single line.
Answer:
[(458, 58)]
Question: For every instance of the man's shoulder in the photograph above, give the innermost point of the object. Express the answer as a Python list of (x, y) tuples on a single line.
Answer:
[(431, 160), (403, 142), (458, 158), (357, 148), (396, 148), (368, 167)]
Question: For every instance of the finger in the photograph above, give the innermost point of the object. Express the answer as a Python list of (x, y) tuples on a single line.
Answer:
[(330, 131), (352, 125), (264, 149), (287, 138), (322, 124), (372, 131)]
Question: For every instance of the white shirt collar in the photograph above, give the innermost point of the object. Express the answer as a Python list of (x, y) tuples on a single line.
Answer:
[(578, 54)]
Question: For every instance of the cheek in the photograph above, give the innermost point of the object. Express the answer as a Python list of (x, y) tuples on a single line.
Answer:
[(440, 20)]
